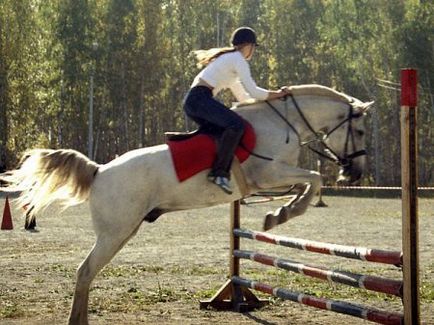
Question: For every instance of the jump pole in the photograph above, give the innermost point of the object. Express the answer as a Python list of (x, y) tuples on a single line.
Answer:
[(409, 179)]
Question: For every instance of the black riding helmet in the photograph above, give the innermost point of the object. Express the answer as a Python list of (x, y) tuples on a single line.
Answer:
[(243, 35)]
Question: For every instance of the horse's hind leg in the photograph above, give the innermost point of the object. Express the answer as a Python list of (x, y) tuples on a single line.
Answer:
[(105, 248)]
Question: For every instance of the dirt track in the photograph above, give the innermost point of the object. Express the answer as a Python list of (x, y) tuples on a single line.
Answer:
[(183, 257)]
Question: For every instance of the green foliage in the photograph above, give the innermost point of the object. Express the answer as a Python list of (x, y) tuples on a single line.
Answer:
[(138, 53), (10, 309)]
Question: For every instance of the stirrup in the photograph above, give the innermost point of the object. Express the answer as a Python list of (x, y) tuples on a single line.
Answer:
[(223, 183)]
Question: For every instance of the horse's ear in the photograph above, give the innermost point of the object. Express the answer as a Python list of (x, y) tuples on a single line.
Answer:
[(366, 106)]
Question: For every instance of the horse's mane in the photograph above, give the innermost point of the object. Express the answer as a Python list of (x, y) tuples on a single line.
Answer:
[(309, 90), (318, 90)]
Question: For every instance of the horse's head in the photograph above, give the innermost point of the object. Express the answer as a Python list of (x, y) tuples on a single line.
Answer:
[(346, 142)]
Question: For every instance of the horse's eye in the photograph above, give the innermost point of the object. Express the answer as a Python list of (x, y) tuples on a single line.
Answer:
[(360, 133)]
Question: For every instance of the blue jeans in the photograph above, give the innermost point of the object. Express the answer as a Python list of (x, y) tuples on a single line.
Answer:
[(202, 108)]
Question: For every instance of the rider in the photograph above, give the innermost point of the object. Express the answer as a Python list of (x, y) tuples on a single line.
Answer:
[(225, 68)]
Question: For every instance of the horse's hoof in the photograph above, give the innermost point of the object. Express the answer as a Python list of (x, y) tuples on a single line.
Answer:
[(270, 221)]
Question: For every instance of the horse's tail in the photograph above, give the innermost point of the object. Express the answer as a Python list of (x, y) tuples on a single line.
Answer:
[(47, 175)]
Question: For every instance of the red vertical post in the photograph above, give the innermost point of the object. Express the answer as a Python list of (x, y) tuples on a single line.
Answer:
[(409, 180)]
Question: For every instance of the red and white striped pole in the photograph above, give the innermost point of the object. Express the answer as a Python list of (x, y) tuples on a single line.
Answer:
[(409, 179)]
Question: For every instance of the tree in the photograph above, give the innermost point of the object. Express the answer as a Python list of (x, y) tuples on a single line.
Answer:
[(143, 66), (74, 34)]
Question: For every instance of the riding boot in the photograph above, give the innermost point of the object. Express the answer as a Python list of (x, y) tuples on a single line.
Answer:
[(225, 152)]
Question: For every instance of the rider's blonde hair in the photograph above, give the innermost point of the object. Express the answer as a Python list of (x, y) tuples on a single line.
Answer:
[(204, 57)]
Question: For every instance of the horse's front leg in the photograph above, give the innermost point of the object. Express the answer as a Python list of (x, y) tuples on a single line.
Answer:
[(295, 207), (307, 184)]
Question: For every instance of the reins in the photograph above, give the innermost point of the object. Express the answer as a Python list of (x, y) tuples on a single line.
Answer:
[(319, 137)]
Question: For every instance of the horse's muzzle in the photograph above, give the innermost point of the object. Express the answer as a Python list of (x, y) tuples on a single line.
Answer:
[(349, 175)]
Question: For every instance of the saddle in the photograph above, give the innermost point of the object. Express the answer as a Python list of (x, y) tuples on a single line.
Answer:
[(212, 131), (196, 151)]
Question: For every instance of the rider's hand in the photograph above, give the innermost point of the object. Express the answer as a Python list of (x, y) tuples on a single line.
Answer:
[(286, 90), (282, 92)]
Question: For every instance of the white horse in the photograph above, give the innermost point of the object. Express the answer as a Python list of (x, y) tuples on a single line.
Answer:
[(141, 185)]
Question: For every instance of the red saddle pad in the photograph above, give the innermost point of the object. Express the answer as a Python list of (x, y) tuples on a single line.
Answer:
[(198, 153)]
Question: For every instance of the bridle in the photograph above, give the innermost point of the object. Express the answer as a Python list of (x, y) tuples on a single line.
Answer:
[(327, 152)]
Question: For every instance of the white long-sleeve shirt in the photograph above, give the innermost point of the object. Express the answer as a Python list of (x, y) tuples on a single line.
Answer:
[(231, 70)]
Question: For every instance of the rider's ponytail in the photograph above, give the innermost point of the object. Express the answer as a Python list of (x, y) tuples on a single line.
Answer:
[(240, 37), (204, 57)]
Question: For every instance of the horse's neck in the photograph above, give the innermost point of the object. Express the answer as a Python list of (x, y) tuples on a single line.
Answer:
[(321, 112)]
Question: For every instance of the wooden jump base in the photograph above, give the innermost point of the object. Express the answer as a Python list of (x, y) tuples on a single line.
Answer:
[(235, 294)]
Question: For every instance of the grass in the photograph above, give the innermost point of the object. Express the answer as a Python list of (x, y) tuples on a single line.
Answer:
[(276, 277), (132, 297), (134, 270), (10, 310), (427, 291)]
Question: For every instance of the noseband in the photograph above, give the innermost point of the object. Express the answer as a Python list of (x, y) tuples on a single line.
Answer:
[(328, 153)]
